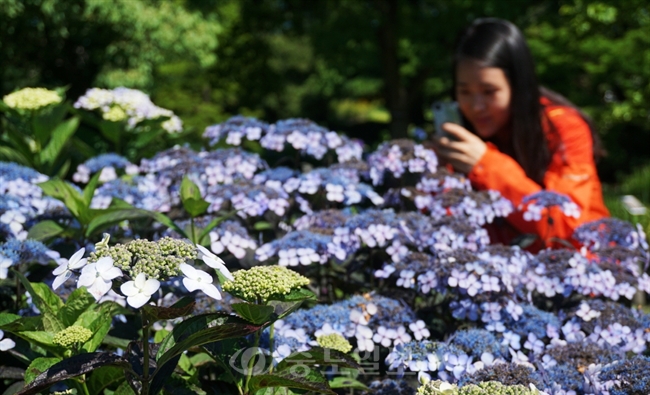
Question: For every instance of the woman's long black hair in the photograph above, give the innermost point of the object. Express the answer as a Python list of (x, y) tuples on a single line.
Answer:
[(493, 42)]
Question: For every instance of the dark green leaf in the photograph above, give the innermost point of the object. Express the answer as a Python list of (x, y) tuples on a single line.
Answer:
[(38, 366), (115, 342), (181, 308), (66, 193), (197, 333), (14, 388), (178, 386), (98, 322), (43, 338), (110, 217), (60, 136), (283, 309), (42, 122), (79, 301), (104, 377), (89, 190), (72, 367), (346, 382), (6, 318), (194, 204), (50, 321), (318, 356), (301, 377), (47, 295), (262, 225), (12, 372), (295, 295), (11, 155), (257, 314), (124, 389), (44, 230)]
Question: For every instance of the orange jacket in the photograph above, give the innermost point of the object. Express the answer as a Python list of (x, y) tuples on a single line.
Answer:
[(572, 172)]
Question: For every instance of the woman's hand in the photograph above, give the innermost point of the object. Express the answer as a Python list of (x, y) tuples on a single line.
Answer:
[(462, 151)]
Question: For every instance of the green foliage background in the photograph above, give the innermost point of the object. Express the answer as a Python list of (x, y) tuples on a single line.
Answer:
[(369, 68)]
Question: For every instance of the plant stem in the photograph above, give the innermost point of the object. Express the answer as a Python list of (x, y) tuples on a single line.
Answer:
[(271, 331), (194, 240), (251, 362), (145, 351)]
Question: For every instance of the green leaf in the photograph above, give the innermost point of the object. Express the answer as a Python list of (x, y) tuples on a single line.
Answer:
[(262, 225), (44, 230), (79, 301), (124, 389), (257, 314), (110, 217), (89, 190), (43, 338), (318, 356), (72, 367), (7, 318), (50, 321), (22, 324), (104, 377), (115, 342), (300, 294), (38, 366), (346, 382), (112, 130), (60, 136), (195, 332), (181, 308), (160, 335), (165, 220), (47, 295), (64, 192), (98, 322), (43, 121), (302, 378), (191, 198), (11, 155)]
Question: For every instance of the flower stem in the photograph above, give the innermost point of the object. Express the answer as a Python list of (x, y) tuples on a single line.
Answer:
[(271, 331), (145, 351), (251, 362)]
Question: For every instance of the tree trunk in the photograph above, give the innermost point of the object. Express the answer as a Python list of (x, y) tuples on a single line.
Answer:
[(395, 93)]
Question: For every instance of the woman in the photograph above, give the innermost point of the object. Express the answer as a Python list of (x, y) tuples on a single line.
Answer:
[(520, 138)]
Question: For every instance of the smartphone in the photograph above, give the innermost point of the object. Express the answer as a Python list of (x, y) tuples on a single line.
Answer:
[(445, 111)]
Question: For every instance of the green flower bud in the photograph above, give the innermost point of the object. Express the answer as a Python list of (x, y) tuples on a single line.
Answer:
[(31, 98), (72, 335), (437, 387), (496, 388), (335, 342), (260, 283), (115, 114)]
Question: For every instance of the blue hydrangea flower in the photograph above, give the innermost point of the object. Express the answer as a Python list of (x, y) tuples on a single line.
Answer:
[(235, 129)]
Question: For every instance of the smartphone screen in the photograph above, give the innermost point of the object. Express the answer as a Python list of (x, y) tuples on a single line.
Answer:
[(446, 111)]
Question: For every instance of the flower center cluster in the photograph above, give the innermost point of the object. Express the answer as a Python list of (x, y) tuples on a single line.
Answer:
[(260, 283)]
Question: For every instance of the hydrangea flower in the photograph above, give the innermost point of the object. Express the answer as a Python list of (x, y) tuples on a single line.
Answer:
[(139, 291), (98, 276), (64, 271), (536, 202), (235, 129), (196, 279), (75, 334), (32, 98), (261, 283), (397, 157), (130, 105)]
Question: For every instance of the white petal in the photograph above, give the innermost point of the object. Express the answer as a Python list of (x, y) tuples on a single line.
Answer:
[(100, 288), (211, 291), (203, 277), (90, 268), (104, 264), (111, 273), (61, 279), (191, 285), (137, 301), (188, 270), (60, 269), (7, 344), (86, 279), (76, 258), (129, 288), (140, 280), (151, 286)]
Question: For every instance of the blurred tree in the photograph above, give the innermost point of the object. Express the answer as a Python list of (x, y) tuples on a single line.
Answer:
[(82, 43)]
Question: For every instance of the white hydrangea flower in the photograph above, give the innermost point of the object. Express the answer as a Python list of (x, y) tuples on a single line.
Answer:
[(198, 279), (98, 276), (64, 271), (139, 291)]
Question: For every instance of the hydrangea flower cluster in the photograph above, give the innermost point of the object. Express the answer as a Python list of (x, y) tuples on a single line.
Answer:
[(235, 129), (21, 199), (71, 336), (303, 135), (32, 99), (397, 157), (478, 207), (248, 199), (130, 105), (369, 321), (536, 203), (14, 252), (261, 283), (107, 164), (144, 264)]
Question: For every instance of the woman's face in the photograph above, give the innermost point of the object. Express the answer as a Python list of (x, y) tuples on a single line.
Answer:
[(483, 95)]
